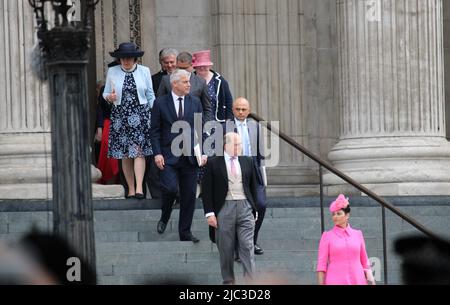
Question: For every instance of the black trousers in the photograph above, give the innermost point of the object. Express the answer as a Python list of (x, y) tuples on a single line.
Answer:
[(151, 178), (180, 177), (261, 205)]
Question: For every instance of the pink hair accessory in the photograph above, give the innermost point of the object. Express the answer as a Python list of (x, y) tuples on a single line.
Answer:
[(340, 203)]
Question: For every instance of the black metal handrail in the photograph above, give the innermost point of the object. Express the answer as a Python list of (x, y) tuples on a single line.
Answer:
[(322, 163)]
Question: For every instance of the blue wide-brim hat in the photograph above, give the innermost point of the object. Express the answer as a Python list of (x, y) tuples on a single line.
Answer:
[(127, 50)]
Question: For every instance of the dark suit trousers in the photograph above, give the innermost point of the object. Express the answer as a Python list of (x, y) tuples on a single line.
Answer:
[(183, 177), (152, 177), (261, 205)]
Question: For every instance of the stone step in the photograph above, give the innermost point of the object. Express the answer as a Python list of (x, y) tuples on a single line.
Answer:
[(272, 212), (156, 258), (261, 278), (288, 219), (205, 246), (268, 257), (130, 251), (264, 278), (146, 230)]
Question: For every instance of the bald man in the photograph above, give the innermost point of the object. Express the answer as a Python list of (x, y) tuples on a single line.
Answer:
[(229, 189)]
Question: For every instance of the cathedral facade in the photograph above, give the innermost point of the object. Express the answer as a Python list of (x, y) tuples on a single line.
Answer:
[(363, 84)]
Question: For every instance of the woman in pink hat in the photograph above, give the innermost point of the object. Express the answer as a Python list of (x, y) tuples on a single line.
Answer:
[(342, 256), (218, 88)]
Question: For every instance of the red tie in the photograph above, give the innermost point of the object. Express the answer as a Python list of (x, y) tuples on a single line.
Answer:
[(233, 167)]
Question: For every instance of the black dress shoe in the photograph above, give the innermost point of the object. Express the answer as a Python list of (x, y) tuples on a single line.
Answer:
[(190, 238), (161, 227), (258, 250), (130, 197), (139, 196)]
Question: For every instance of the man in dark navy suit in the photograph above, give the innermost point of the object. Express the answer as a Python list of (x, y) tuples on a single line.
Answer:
[(168, 61), (178, 169)]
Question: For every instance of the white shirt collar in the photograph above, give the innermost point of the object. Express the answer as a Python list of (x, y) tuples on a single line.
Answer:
[(240, 123), (176, 97), (227, 156)]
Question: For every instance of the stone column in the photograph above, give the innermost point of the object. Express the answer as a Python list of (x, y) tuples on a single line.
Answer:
[(391, 94), (279, 54), (24, 121)]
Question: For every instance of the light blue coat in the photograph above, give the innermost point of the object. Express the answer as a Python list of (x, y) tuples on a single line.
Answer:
[(142, 77)]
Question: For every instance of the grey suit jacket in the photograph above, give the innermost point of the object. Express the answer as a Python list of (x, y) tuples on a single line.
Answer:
[(198, 89)]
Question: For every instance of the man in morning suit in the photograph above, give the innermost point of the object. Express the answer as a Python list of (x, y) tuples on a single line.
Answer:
[(249, 130), (229, 189), (176, 172)]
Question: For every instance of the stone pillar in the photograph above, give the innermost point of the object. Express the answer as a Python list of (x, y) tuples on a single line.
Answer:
[(24, 120), (446, 8), (66, 51), (279, 55), (391, 94)]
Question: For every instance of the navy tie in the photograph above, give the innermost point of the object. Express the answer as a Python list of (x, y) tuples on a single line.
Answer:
[(180, 109)]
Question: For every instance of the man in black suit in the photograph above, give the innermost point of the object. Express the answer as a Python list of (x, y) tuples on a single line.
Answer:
[(178, 169), (199, 88), (229, 190), (168, 62)]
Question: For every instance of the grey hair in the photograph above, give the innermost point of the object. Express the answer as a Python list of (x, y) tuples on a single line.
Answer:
[(178, 74), (185, 57), (167, 52)]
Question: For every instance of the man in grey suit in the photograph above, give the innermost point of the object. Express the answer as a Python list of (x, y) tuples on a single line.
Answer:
[(229, 192), (199, 88)]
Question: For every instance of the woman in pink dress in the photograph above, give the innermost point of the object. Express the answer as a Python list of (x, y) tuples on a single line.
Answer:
[(342, 256)]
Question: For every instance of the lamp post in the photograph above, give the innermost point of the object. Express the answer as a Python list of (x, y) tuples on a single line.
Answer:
[(64, 49)]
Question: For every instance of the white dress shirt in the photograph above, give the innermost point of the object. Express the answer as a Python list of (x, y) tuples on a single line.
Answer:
[(176, 102)]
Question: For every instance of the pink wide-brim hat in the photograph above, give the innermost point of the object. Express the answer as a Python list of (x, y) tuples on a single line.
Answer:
[(202, 59), (340, 203)]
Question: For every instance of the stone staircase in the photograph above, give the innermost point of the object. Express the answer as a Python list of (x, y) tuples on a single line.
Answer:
[(130, 251)]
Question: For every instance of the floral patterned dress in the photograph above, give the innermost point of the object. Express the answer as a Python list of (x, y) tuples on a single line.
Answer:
[(130, 125), (213, 96)]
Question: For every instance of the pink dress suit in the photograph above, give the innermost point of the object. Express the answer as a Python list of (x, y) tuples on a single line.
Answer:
[(343, 257)]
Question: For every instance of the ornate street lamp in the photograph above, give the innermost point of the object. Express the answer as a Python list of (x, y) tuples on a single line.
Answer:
[(64, 49)]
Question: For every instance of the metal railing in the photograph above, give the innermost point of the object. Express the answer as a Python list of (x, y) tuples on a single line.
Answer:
[(324, 164)]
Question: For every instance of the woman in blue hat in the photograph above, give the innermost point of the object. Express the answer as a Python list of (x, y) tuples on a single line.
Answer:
[(129, 88)]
